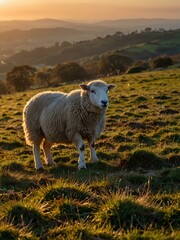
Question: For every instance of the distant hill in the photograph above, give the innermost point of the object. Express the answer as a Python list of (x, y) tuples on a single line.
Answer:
[(31, 24), (50, 41), (137, 45), (16, 36), (29, 39), (14, 41), (126, 25), (103, 26)]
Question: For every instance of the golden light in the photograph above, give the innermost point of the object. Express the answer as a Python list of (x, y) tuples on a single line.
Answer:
[(3, 1)]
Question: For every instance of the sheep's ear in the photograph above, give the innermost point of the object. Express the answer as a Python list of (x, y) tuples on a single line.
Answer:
[(111, 86), (84, 87)]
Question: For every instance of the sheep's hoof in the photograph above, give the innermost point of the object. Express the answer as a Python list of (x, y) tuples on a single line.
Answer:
[(94, 160), (51, 164), (41, 169), (81, 166)]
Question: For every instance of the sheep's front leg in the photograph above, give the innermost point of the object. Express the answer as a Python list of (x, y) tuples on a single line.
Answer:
[(48, 157), (37, 159), (78, 141), (93, 156)]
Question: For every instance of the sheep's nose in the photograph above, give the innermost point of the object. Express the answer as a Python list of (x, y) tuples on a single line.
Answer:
[(104, 102)]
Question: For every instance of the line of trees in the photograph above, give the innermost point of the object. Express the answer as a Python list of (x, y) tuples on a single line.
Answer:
[(23, 77)]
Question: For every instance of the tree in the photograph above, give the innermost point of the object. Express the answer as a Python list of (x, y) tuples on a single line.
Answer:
[(162, 62), (148, 29), (65, 44), (21, 77), (3, 87), (114, 64), (91, 68), (70, 71), (44, 78), (138, 67)]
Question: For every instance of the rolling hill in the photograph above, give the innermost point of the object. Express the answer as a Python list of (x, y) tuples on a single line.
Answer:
[(129, 25), (50, 42), (137, 45), (22, 35), (124, 25)]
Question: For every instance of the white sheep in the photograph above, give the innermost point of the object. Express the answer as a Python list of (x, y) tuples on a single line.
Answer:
[(54, 117)]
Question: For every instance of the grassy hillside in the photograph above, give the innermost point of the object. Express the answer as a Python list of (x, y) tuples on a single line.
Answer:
[(169, 45), (132, 193)]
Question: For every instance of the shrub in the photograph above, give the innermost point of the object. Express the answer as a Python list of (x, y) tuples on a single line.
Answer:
[(44, 78), (114, 64), (3, 87), (69, 72), (138, 67), (162, 62)]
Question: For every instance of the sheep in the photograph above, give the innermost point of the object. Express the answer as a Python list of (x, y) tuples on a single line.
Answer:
[(51, 118)]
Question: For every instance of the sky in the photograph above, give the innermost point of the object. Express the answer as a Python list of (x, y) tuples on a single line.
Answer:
[(88, 10)]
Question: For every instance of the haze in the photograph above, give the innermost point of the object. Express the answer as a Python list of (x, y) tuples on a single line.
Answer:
[(88, 10)]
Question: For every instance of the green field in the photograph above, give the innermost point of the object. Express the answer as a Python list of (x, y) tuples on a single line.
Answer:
[(131, 193), (170, 45)]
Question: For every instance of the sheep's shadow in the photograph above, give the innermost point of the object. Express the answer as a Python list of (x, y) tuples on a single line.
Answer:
[(11, 182), (68, 170)]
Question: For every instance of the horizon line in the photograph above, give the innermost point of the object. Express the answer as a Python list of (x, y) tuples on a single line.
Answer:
[(86, 20)]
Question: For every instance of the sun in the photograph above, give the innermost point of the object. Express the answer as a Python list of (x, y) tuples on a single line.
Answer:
[(3, 1)]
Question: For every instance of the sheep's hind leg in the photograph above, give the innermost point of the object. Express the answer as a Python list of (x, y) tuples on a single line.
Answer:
[(48, 157), (37, 159), (93, 156), (78, 141)]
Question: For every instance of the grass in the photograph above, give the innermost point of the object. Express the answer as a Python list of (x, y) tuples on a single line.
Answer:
[(132, 193), (154, 47)]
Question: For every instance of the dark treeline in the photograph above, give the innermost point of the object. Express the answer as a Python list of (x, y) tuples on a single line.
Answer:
[(24, 77)]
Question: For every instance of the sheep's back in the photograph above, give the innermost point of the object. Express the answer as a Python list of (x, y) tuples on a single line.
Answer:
[(39, 102)]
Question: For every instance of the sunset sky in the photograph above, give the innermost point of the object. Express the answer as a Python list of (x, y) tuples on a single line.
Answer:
[(90, 10)]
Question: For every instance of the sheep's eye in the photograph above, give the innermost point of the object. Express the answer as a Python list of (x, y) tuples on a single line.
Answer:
[(92, 91)]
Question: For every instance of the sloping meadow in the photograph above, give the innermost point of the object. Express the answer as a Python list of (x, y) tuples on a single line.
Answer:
[(131, 193)]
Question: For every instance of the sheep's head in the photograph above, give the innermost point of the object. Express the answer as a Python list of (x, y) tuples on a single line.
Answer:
[(98, 92)]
